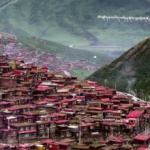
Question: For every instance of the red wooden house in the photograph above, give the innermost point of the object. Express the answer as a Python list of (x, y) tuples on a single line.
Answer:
[(20, 109), (43, 129), (4, 147), (9, 135), (26, 130)]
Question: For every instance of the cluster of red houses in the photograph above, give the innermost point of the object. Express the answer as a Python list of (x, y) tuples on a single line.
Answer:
[(54, 63), (42, 110)]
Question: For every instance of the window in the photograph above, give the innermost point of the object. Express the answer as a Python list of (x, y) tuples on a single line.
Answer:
[(21, 135), (47, 91), (32, 134), (13, 132), (21, 128), (42, 126), (52, 125), (32, 127), (26, 135), (42, 131), (53, 119), (29, 120), (17, 111), (27, 128)]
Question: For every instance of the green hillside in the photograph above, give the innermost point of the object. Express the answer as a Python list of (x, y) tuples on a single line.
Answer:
[(64, 51), (130, 72), (75, 21)]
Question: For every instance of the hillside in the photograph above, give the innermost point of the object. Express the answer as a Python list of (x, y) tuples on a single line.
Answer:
[(55, 56), (130, 72), (75, 21), (64, 51)]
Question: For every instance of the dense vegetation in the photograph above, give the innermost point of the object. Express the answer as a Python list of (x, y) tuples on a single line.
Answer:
[(75, 21), (130, 72)]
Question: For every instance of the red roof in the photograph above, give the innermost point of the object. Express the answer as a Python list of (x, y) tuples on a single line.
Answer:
[(68, 100), (5, 66), (135, 114), (142, 137), (92, 83), (9, 130), (118, 139), (3, 146), (65, 101), (59, 102), (62, 121), (28, 131), (25, 145), (48, 141), (13, 108), (60, 85), (118, 96), (80, 97), (112, 111), (105, 99), (69, 110), (95, 108), (71, 86), (41, 102), (50, 99), (18, 72), (62, 143), (100, 88), (44, 69), (42, 88), (57, 115), (86, 124)]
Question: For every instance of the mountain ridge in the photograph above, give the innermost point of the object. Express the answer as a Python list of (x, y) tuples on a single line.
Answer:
[(130, 72)]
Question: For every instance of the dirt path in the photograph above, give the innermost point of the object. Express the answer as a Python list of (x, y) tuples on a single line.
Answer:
[(8, 3)]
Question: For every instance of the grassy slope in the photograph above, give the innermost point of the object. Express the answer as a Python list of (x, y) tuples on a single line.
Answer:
[(75, 22), (130, 72), (66, 52), (81, 73)]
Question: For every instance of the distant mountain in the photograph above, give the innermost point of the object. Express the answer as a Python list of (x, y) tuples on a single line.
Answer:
[(75, 21), (130, 72)]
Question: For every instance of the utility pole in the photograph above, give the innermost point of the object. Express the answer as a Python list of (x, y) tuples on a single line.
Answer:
[(48, 132), (80, 118), (135, 92), (129, 89), (115, 86), (142, 94), (105, 81)]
